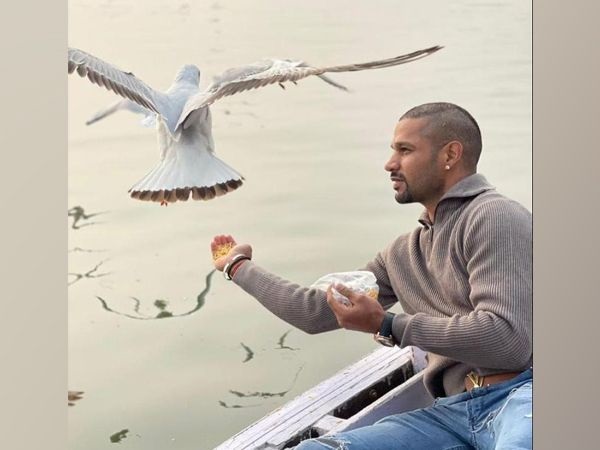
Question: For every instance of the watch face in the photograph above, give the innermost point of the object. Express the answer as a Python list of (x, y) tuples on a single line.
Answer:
[(384, 340)]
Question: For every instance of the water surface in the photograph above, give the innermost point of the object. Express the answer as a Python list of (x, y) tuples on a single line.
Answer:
[(160, 357)]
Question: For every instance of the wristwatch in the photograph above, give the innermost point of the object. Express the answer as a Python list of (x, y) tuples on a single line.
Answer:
[(384, 335)]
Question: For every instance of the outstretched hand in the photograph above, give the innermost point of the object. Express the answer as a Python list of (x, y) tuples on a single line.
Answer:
[(224, 248), (362, 314)]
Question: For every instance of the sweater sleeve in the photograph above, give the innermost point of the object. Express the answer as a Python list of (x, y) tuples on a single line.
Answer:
[(305, 308), (497, 333), (387, 296)]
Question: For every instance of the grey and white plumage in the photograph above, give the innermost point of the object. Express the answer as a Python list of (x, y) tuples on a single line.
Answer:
[(124, 105), (188, 165)]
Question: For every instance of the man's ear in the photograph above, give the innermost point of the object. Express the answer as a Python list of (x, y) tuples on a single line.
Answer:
[(453, 153)]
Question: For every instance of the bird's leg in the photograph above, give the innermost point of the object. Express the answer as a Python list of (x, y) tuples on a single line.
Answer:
[(164, 203), (281, 85), (294, 82)]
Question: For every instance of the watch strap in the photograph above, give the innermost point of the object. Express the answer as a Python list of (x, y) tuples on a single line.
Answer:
[(384, 336), (386, 325)]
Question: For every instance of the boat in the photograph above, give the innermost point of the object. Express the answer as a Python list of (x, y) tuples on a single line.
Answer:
[(387, 381)]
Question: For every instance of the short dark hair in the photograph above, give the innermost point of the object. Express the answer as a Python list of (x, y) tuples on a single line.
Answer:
[(449, 122)]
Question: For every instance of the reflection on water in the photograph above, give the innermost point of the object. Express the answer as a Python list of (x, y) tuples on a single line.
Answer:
[(234, 406), (119, 436), (84, 250), (249, 352), (78, 213), (268, 394), (161, 305), (259, 394), (89, 274), (281, 344)]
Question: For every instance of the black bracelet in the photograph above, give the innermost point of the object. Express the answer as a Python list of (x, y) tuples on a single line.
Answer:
[(231, 264)]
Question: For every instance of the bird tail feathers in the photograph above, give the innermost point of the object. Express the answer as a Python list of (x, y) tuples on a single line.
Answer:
[(185, 172)]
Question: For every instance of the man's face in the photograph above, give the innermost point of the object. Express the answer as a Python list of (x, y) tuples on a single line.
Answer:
[(414, 167)]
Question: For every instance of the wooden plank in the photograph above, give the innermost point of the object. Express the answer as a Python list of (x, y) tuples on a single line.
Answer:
[(298, 415)]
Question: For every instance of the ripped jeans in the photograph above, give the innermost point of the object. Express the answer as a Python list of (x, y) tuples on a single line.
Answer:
[(492, 417)]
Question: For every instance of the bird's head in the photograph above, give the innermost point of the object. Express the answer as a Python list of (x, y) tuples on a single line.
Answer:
[(188, 73)]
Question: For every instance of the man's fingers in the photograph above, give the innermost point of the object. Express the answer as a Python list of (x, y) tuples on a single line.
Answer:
[(225, 239), (336, 306), (345, 291), (333, 303), (355, 297), (221, 239)]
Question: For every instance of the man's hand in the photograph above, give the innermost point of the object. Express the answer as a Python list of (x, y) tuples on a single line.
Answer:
[(362, 314), (224, 248)]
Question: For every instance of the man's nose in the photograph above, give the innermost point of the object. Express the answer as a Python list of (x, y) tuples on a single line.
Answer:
[(392, 164)]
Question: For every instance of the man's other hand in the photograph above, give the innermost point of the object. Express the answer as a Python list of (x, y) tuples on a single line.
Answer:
[(362, 314)]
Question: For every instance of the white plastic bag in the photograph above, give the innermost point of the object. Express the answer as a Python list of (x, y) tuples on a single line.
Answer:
[(360, 281)]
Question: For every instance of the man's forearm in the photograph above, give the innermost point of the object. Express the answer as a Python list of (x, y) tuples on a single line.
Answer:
[(302, 307)]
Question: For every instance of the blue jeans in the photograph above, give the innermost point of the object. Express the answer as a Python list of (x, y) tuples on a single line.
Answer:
[(493, 417)]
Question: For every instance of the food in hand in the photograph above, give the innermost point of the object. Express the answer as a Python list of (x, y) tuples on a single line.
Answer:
[(222, 250), (362, 282)]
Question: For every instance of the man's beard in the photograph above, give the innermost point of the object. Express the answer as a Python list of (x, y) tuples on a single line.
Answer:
[(405, 196)]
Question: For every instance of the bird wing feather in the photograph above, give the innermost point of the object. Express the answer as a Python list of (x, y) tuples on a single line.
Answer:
[(268, 72), (124, 84), (121, 105)]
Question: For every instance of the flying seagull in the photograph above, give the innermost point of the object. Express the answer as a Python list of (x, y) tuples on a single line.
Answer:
[(181, 114)]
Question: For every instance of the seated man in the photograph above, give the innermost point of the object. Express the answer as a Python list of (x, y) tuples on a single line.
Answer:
[(464, 280)]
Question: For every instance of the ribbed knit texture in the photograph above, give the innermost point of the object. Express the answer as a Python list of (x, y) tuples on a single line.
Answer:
[(464, 283)]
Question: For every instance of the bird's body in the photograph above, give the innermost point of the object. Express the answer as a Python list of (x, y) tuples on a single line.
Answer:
[(188, 165)]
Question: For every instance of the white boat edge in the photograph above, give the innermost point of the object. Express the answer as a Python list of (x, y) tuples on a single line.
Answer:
[(387, 381)]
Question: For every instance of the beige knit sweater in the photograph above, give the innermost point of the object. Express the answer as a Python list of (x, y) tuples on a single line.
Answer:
[(464, 283)]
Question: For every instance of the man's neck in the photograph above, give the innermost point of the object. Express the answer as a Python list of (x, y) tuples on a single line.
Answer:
[(452, 178), (431, 208)]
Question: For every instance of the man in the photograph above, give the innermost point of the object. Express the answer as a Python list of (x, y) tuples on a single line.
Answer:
[(463, 279)]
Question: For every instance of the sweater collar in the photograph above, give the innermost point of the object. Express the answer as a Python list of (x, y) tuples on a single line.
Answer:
[(470, 186)]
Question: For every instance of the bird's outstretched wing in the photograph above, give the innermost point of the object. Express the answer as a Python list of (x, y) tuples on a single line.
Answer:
[(274, 71), (121, 83), (124, 105)]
